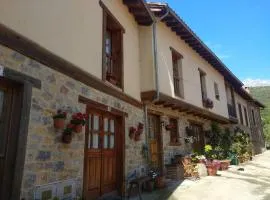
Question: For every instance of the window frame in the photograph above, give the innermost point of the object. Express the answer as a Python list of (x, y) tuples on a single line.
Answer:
[(246, 116), (216, 89), (179, 68), (240, 113), (106, 15), (203, 84), (177, 142)]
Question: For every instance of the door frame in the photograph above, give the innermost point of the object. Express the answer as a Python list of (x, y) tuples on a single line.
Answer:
[(25, 84), (120, 182), (159, 138)]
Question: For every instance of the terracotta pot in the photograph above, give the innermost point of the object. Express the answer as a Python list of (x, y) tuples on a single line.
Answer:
[(137, 137), (211, 170), (59, 123), (78, 128), (224, 164), (132, 135), (67, 138)]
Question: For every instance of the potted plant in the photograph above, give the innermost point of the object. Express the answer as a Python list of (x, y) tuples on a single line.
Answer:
[(67, 134), (210, 165), (78, 120), (151, 183), (137, 136), (59, 119), (132, 132)]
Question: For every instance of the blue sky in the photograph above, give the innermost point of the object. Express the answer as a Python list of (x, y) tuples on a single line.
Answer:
[(238, 31)]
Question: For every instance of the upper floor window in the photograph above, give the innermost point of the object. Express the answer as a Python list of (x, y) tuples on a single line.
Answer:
[(112, 70), (240, 113), (246, 117), (177, 74), (253, 117), (203, 84), (216, 91)]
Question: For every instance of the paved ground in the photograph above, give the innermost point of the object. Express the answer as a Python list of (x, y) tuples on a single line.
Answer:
[(251, 184)]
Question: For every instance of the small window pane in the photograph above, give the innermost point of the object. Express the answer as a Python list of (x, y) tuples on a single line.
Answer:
[(89, 122), (112, 141), (106, 125), (112, 126), (95, 141), (105, 141), (96, 123)]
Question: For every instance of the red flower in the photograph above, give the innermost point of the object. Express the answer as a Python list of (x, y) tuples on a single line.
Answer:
[(70, 126)]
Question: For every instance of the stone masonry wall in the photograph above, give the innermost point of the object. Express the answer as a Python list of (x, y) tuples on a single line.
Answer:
[(47, 158), (183, 121)]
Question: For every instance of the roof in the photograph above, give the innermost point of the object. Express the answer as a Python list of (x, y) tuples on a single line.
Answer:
[(141, 11), (177, 25)]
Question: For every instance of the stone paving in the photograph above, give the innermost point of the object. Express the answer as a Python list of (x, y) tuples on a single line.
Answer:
[(251, 184)]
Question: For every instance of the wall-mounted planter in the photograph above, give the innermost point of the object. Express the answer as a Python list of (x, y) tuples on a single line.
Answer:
[(59, 123), (66, 138), (137, 137), (78, 128), (132, 132), (135, 133), (59, 119)]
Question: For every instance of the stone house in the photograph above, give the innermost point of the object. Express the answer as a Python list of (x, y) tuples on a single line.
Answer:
[(123, 63)]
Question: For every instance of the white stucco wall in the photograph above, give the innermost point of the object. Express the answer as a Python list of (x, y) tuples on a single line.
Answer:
[(147, 60), (73, 30), (190, 64)]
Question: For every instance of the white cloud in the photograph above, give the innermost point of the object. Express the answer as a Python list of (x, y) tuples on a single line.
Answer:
[(256, 82), (218, 50)]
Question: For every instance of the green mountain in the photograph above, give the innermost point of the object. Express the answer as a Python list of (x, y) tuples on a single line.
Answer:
[(263, 95)]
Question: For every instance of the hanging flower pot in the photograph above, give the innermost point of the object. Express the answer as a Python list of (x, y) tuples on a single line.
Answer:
[(59, 123), (66, 138), (132, 133), (78, 121), (137, 137), (67, 135), (59, 119), (78, 128)]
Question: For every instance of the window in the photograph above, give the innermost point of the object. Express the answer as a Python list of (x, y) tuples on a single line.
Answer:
[(203, 84), (177, 74), (246, 117), (112, 69), (174, 137), (253, 117), (240, 113), (216, 91)]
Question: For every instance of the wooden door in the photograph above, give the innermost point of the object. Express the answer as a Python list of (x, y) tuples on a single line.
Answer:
[(101, 154), (155, 144), (199, 140), (9, 122)]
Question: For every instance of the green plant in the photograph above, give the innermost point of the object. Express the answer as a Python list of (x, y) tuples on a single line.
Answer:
[(241, 143), (60, 115), (209, 152)]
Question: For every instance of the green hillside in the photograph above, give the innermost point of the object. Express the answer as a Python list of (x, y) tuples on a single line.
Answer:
[(263, 95)]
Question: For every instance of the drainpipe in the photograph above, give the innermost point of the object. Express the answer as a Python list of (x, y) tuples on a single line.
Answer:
[(154, 29)]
